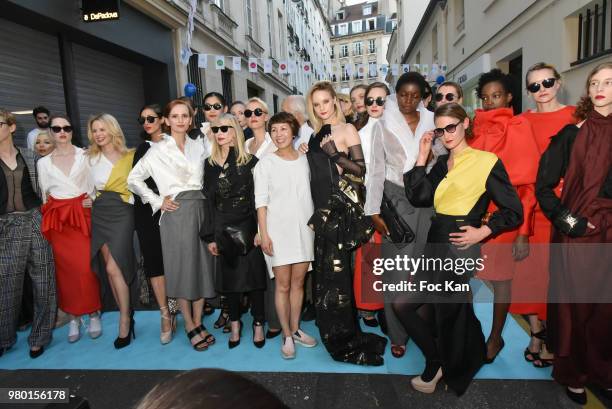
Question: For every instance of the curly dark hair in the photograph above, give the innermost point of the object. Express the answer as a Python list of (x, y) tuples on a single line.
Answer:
[(495, 75)]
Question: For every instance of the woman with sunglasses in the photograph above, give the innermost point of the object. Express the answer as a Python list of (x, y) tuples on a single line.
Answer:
[(459, 186), (256, 115), (175, 164), (449, 92), (510, 137), (147, 223), (240, 265), (375, 97), (530, 282), (335, 150), (579, 309), (358, 105), (214, 105), (67, 192), (112, 224), (237, 109), (394, 149)]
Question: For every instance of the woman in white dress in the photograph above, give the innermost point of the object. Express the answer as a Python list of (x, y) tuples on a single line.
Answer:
[(67, 192), (284, 205)]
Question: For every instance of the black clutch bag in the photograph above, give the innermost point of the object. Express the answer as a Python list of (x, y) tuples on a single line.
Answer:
[(237, 240), (399, 230)]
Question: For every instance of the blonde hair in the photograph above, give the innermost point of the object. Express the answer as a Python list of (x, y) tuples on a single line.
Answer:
[(112, 128), (314, 119), (47, 133), (260, 102), (8, 117), (242, 156)]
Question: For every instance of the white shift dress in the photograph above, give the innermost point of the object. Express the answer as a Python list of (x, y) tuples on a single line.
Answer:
[(283, 186)]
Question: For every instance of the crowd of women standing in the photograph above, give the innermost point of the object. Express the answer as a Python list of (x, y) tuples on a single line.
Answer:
[(233, 210)]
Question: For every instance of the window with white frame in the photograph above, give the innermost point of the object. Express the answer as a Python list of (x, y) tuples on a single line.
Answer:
[(249, 13), (340, 15), (371, 24), (459, 15), (372, 73), (357, 26), (367, 10), (358, 47), (372, 45), (342, 29), (343, 75), (343, 50), (331, 55)]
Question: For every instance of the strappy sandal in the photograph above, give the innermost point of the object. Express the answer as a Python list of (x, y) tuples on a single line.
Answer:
[(166, 336), (223, 322), (208, 338), (201, 345), (398, 351), (536, 359), (208, 309)]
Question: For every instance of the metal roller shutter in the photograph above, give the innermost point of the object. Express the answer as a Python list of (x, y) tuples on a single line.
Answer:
[(30, 74), (111, 85)]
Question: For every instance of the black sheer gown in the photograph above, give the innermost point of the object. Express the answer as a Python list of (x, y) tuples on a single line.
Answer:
[(339, 228), (446, 328)]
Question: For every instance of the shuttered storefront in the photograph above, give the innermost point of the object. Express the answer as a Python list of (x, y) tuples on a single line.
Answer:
[(30, 74), (106, 83)]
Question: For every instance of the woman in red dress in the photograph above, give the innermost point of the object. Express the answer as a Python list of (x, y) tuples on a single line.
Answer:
[(530, 283), (510, 137), (579, 309), (66, 189)]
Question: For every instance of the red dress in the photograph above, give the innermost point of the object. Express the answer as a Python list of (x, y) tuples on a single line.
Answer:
[(67, 226), (511, 139), (530, 284), (365, 296)]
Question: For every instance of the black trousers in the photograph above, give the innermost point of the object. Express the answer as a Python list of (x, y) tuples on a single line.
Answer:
[(234, 302)]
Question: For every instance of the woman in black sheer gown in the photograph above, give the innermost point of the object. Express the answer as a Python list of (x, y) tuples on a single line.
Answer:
[(340, 226), (460, 187)]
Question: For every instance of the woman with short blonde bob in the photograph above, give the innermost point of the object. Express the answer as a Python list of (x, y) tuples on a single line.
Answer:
[(335, 150), (176, 163), (232, 226), (257, 114), (112, 219)]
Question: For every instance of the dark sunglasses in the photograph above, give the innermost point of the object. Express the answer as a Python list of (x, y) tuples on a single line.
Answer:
[(58, 129), (223, 128), (450, 97), (450, 128), (150, 119), (535, 86), (379, 101), (216, 106), (257, 112)]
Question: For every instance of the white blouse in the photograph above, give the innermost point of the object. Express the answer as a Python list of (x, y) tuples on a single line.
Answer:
[(172, 171), (54, 182), (365, 135), (101, 169), (266, 147)]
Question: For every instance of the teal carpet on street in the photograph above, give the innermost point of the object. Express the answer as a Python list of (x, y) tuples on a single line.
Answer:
[(146, 352)]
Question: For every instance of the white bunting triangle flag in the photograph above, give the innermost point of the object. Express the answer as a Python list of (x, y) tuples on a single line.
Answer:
[(220, 62), (372, 70), (360, 70), (292, 67), (425, 70), (405, 68), (384, 69), (435, 69), (203, 60), (416, 67), (282, 67), (267, 65), (307, 67), (443, 68), (236, 63), (252, 64), (349, 69), (394, 69)]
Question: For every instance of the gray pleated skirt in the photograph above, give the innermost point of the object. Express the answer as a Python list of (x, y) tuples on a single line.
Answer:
[(112, 223), (188, 265)]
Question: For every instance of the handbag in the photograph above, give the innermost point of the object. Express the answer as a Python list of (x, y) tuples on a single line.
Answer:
[(399, 230), (237, 239)]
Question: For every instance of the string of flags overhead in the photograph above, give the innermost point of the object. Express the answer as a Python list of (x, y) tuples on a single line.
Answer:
[(431, 72)]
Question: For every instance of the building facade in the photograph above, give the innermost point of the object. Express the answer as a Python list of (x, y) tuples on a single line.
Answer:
[(360, 38), (474, 36)]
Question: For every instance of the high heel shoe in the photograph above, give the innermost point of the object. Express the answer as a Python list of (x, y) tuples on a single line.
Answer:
[(491, 360), (208, 338), (122, 342), (233, 344), (578, 397), (36, 353), (258, 344), (166, 336), (426, 387), (223, 322)]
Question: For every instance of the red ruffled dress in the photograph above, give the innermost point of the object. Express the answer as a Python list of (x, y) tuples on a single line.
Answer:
[(511, 139), (530, 284)]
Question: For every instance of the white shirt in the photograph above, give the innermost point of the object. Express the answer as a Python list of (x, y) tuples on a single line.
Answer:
[(172, 171), (303, 135), (31, 138), (266, 147), (365, 135), (54, 182), (101, 169)]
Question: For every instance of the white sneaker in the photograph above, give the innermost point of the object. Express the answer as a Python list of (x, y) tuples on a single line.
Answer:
[(95, 326), (74, 333), (288, 349), (302, 338)]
